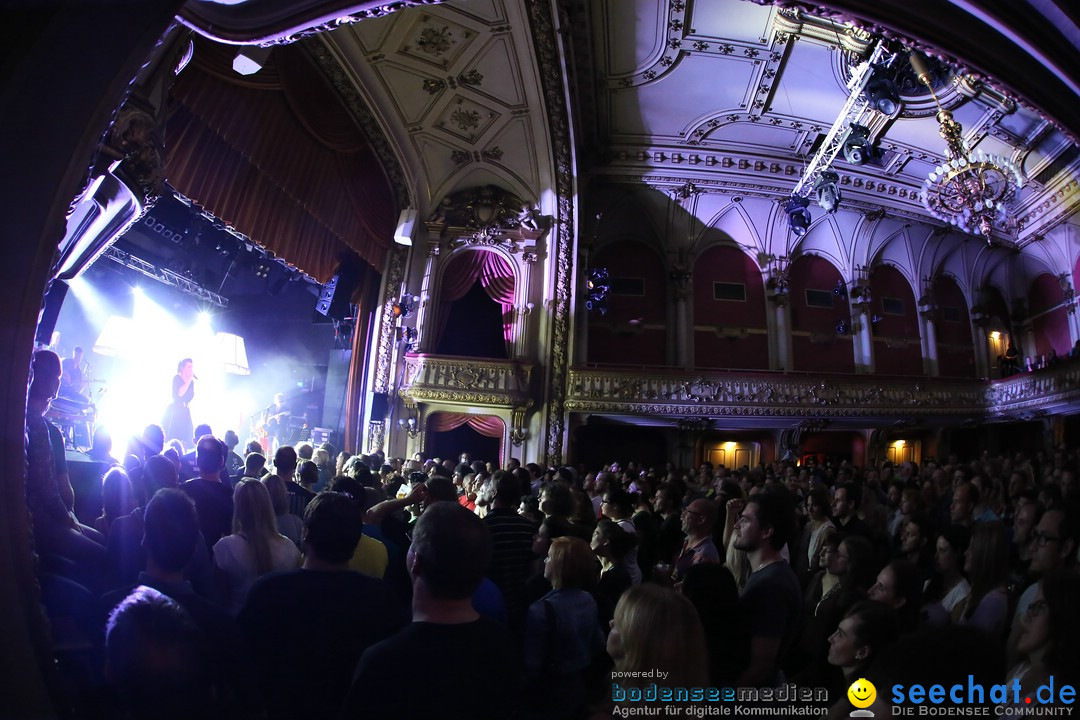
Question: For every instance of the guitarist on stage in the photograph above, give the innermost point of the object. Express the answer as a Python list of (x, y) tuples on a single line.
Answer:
[(275, 422)]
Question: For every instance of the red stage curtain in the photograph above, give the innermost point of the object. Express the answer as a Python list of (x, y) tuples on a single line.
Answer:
[(495, 276), (486, 425), (278, 157)]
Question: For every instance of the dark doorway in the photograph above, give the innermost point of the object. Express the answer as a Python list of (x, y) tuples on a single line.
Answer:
[(474, 327), (599, 444), (451, 443)]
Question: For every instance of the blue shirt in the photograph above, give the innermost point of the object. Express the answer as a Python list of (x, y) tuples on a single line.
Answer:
[(577, 633)]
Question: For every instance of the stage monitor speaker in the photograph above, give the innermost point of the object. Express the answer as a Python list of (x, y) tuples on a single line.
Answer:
[(54, 299), (380, 406), (336, 295)]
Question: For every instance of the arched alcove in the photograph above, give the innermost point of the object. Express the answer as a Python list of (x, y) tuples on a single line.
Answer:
[(634, 331), (475, 311), (897, 346), (730, 328), (816, 311), (1049, 319), (952, 325)]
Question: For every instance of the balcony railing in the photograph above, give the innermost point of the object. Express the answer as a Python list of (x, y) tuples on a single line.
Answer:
[(660, 391), (475, 381)]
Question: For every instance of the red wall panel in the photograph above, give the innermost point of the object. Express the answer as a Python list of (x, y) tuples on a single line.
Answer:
[(887, 282), (728, 264), (1050, 327), (815, 345), (956, 349), (611, 339)]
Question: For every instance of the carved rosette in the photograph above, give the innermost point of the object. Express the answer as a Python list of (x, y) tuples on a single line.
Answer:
[(136, 137)]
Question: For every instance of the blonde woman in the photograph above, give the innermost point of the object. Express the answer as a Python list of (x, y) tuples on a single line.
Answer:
[(656, 629), (255, 547)]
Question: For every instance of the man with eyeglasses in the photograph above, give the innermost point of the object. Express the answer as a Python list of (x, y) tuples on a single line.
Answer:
[(698, 521), (1052, 546)]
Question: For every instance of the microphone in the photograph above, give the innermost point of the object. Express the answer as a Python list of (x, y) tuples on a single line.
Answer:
[(194, 377)]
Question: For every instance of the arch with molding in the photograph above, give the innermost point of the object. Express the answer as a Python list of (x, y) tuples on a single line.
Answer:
[(816, 344)]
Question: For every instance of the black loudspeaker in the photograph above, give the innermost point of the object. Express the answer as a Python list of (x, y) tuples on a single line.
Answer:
[(380, 406), (336, 295), (54, 299)]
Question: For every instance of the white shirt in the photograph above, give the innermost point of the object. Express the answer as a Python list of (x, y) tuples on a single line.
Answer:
[(233, 555)]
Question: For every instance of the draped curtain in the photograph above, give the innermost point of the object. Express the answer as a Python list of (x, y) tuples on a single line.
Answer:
[(495, 276), (487, 425), (277, 156)]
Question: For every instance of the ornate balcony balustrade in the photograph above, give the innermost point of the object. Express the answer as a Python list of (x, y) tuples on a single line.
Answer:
[(468, 381), (774, 395)]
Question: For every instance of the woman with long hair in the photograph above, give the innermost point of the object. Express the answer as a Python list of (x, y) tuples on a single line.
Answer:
[(562, 633), (948, 589), (289, 525), (255, 547), (657, 629), (986, 563)]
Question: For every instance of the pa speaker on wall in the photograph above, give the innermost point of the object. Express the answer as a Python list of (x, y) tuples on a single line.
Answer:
[(406, 223), (336, 295), (380, 406)]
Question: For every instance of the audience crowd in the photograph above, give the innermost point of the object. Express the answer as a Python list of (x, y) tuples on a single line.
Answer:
[(286, 587)]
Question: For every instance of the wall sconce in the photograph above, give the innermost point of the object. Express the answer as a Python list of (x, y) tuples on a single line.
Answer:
[(518, 435), (840, 290), (411, 422)]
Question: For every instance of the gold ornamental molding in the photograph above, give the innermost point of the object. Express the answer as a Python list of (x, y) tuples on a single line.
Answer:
[(467, 381), (779, 395)]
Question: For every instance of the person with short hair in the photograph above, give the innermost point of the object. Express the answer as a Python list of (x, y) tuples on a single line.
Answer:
[(447, 561), (323, 613), (771, 597), (698, 522), (213, 499)]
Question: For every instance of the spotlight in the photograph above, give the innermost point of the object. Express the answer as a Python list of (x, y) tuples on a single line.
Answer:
[(842, 327), (827, 189), (405, 306), (262, 268), (857, 147), (798, 214), (840, 290), (408, 336), (881, 92), (597, 287)]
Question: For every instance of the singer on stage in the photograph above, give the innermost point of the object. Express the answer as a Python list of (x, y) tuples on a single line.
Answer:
[(177, 422)]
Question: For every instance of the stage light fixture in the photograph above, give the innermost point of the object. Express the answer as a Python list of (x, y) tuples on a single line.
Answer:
[(842, 327), (881, 92), (840, 290), (797, 209), (827, 190), (597, 286), (404, 307), (858, 150)]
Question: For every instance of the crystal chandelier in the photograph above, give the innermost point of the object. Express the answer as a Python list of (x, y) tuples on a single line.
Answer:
[(969, 190)]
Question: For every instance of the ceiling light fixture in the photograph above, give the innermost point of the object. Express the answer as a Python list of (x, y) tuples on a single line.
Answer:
[(798, 214), (827, 190), (969, 190)]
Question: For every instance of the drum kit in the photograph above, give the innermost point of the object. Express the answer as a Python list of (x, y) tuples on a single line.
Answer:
[(75, 415)]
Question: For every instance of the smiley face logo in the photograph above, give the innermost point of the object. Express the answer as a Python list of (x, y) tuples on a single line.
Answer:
[(862, 693)]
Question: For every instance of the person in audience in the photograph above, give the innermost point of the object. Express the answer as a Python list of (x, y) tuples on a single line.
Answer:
[(845, 510), (949, 588), (254, 465), (817, 526), (711, 588), (771, 598), (656, 629), (698, 522), (986, 564), (1053, 546), (562, 633), (233, 462), (866, 630), (254, 548), (447, 560), (616, 506), (899, 585), (1048, 643), (117, 499), (612, 545), (669, 536), (288, 524), (213, 499), (156, 660), (511, 541), (309, 627)]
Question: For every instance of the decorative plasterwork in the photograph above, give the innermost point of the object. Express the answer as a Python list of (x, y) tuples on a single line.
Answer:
[(546, 43), (487, 213), (466, 381), (343, 86)]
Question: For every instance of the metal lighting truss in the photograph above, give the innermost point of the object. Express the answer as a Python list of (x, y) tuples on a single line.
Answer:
[(167, 277), (853, 109)]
